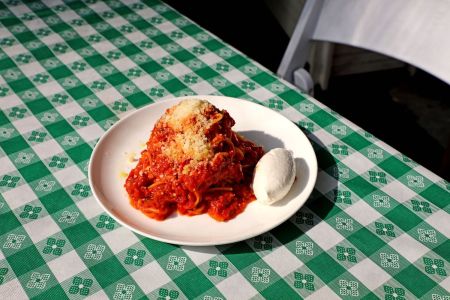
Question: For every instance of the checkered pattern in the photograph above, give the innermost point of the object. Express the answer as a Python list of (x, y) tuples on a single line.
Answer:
[(376, 225)]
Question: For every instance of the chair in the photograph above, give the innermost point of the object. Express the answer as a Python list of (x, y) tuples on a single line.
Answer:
[(413, 31)]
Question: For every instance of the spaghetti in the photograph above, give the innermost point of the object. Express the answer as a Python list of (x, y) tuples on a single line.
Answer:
[(194, 163)]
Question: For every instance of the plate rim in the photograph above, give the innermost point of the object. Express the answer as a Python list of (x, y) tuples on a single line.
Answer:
[(308, 188)]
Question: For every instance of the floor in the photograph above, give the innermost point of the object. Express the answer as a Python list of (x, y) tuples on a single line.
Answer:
[(409, 112)]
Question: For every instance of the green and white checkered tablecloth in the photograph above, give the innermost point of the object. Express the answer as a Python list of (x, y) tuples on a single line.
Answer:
[(377, 224)]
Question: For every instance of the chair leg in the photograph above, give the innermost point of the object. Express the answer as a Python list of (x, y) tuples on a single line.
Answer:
[(298, 49), (303, 80)]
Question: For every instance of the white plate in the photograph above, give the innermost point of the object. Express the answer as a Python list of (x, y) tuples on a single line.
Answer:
[(258, 123)]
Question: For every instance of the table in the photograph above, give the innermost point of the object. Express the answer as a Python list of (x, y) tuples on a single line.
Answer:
[(376, 225)]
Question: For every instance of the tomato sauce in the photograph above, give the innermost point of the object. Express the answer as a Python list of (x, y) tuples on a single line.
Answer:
[(220, 186)]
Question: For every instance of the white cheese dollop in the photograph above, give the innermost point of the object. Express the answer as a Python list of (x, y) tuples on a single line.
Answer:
[(274, 176)]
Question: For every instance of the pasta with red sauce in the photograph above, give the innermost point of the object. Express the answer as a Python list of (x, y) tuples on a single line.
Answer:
[(194, 163)]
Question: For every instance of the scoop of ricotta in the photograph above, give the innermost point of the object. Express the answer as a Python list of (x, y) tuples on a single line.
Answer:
[(274, 176)]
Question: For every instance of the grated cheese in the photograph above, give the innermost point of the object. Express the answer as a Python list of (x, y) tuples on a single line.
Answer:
[(188, 121)]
